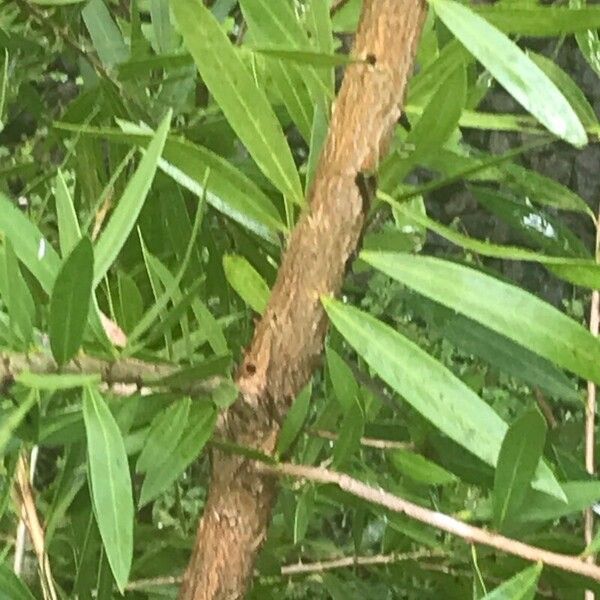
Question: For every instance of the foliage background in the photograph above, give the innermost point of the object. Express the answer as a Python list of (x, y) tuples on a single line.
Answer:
[(79, 83)]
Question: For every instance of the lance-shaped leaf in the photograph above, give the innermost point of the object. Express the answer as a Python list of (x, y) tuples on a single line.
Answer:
[(242, 101), (110, 484), (519, 455), (70, 302), (505, 308), (511, 67), (246, 281), (126, 213), (429, 387), (520, 587)]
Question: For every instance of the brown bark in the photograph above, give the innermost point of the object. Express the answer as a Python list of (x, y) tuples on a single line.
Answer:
[(289, 339)]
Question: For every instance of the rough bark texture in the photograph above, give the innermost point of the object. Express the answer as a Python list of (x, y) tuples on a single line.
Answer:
[(289, 338)]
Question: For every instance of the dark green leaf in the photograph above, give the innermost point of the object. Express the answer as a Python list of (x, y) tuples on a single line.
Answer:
[(11, 587), (304, 509), (162, 474), (70, 302), (125, 215), (12, 420), (165, 432), (342, 379), (540, 20), (420, 469), (16, 295), (294, 420), (519, 456), (351, 430), (105, 34)]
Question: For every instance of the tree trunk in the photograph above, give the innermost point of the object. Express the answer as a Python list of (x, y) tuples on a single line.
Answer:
[(289, 338)]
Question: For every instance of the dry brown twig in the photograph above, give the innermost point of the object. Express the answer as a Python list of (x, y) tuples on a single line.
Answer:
[(365, 441), (441, 521), (25, 500), (309, 568)]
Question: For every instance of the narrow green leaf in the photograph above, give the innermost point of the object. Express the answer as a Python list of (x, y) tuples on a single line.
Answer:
[(308, 57), (162, 474), (504, 308), (429, 387), (246, 281), (165, 431), (438, 121), (144, 65), (69, 232), (242, 101), (294, 420), (351, 430), (70, 302), (511, 67), (420, 469), (110, 484), (540, 20), (575, 270), (11, 587), (127, 210), (520, 587), (16, 294), (227, 189), (510, 358), (276, 24), (342, 379), (31, 247), (570, 90), (164, 36), (519, 456), (105, 34), (11, 421), (304, 510)]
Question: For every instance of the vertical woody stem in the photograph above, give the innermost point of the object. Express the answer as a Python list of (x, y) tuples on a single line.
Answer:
[(288, 340)]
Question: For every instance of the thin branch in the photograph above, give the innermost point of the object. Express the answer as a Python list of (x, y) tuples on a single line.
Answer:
[(130, 371), (441, 521), (310, 568), (356, 561), (365, 441)]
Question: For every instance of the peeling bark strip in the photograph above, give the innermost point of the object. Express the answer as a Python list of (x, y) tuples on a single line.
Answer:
[(289, 339)]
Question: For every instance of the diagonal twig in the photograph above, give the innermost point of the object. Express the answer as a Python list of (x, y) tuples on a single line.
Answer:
[(441, 521)]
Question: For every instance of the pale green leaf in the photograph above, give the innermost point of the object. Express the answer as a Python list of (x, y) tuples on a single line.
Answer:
[(502, 307), (240, 98), (511, 67), (429, 387), (110, 484)]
